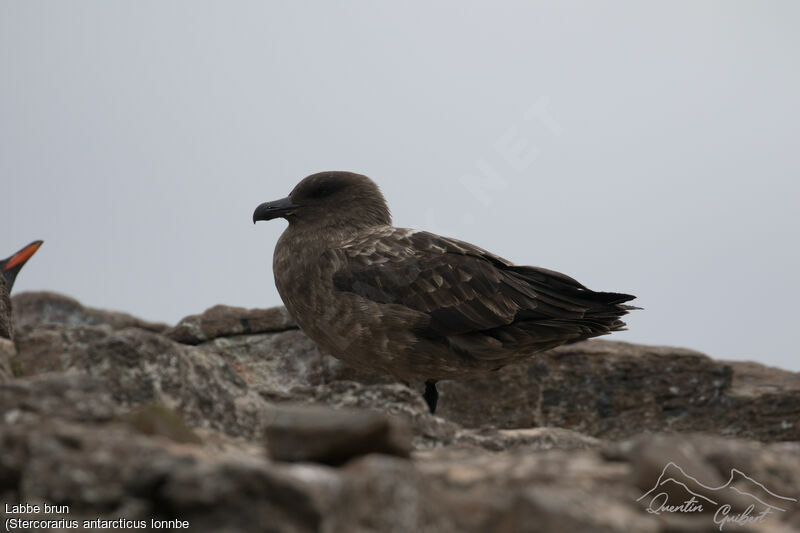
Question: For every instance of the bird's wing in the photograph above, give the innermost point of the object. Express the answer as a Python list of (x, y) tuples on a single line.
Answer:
[(462, 289)]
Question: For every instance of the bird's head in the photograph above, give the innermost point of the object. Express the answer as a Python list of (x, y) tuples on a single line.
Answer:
[(333, 199), (10, 266)]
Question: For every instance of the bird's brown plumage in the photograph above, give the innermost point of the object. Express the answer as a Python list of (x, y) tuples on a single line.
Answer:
[(412, 303)]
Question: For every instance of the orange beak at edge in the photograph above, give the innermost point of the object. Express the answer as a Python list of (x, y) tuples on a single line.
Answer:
[(23, 255)]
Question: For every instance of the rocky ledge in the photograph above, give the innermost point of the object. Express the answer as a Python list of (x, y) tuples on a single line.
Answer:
[(233, 421)]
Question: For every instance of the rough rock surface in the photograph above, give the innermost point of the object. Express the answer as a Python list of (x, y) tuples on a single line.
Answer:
[(140, 367), (226, 321), (34, 310), (116, 418), (334, 436), (604, 388)]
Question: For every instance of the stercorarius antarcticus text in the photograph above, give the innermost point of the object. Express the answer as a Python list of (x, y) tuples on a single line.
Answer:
[(411, 303)]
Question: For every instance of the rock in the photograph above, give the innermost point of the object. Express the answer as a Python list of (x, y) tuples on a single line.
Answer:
[(35, 310), (110, 473), (334, 436), (761, 404), (273, 364), (750, 375), (141, 367), (156, 419), (532, 439), (614, 390), (592, 490), (603, 388), (544, 508), (395, 399), (76, 398), (102, 414), (387, 494), (226, 321), (240, 494), (276, 363), (738, 470), (105, 471)]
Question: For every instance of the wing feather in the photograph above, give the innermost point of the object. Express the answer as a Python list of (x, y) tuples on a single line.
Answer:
[(460, 290)]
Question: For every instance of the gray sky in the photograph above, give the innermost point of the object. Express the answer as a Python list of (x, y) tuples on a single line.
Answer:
[(640, 148)]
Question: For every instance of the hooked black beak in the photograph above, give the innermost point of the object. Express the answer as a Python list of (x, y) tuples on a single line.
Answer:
[(270, 210)]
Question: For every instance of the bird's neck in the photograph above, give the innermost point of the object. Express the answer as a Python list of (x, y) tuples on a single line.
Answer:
[(299, 260), (316, 237)]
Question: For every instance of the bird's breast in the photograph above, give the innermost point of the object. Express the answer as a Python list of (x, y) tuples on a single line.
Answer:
[(304, 278), (342, 323)]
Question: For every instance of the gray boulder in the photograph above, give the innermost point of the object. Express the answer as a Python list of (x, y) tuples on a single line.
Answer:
[(234, 421), (36, 310), (334, 436), (227, 321)]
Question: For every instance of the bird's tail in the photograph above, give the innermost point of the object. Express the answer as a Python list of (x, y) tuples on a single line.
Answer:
[(570, 305)]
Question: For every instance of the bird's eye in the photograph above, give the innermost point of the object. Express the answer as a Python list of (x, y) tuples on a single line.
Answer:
[(323, 190), (320, 192)]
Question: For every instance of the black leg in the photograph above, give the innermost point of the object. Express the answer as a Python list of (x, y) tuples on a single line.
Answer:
[(431, 395)]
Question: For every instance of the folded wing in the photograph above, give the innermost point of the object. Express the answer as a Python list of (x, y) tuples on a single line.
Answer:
[(479, 303)]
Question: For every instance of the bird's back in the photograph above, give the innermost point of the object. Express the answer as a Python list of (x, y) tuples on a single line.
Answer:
[(457, 303)]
